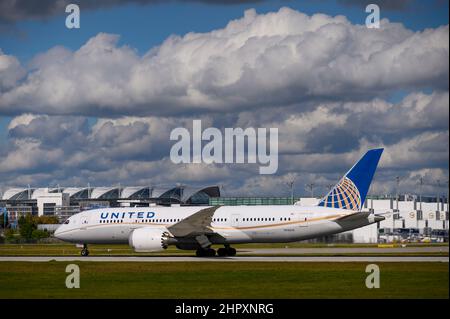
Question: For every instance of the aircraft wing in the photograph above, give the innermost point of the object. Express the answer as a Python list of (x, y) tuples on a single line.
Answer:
[(194, 225)]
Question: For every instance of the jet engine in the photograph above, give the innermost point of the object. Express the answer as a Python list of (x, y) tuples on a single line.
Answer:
[(149, 239)]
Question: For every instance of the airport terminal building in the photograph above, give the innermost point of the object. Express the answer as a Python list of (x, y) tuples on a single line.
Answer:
[(64, 202), (410, 219)]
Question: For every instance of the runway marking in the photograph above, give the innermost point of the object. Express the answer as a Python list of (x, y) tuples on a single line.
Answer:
[(333, 259)]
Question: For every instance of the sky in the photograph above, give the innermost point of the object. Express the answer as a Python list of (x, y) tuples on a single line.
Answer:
[(97, 104)]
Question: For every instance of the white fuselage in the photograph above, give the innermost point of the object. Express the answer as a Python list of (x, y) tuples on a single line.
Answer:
[(233, 224)]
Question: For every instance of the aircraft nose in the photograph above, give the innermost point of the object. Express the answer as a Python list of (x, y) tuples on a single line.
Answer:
[(59, 233)]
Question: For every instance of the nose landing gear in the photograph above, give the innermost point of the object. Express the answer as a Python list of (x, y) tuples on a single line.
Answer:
[(84, 251)]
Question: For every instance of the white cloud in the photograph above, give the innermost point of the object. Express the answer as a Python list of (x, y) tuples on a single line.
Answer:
[(24, 119), (28, 156), (278, 58), (10, 71), (134, 150), (322, 81)]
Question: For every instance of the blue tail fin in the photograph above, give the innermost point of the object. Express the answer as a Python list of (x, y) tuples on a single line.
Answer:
[(350, 192)]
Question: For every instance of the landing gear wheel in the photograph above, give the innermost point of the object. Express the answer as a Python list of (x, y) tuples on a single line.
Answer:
[(227, 251), (231, 251), (85, 251), (209, 252), (222, 252), (199, 253)]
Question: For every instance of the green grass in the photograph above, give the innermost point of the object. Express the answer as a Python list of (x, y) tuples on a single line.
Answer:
[(72, 250), (223, 280), (125, 250)]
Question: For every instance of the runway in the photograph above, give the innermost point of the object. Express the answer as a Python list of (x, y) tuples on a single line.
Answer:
[(331, 259), (346, 250), (313, 254)]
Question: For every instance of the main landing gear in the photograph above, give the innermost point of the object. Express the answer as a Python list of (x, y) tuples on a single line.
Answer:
[(221, 252), (227, 251), (208, 252), (84, 251)]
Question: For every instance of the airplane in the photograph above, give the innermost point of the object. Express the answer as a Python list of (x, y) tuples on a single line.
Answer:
[(154, 228)]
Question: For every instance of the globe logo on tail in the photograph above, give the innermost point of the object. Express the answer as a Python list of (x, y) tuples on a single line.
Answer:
[(344, 195)]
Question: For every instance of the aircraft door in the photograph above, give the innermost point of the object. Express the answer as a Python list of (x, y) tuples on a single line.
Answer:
[(84, 221), (303, 218)]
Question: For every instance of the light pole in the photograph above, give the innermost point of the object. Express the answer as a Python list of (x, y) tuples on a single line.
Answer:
[(448, 199), (290, 184), (398, 183), (311, 189), (5, 217), (438, 196), (420, 193)]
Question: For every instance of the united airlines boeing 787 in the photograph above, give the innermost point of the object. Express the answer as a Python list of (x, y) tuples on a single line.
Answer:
[(152, 229)]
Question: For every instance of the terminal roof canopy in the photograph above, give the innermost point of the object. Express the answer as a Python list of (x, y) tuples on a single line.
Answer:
[(179, 194), (17, 194)]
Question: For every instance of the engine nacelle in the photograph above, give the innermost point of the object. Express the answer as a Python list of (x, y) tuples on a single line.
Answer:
[(149, 239)]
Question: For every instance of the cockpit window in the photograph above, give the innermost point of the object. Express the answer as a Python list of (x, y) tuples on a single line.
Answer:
[(66, 222)]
